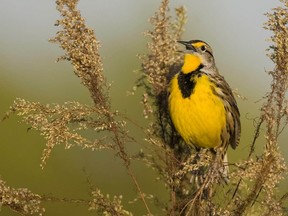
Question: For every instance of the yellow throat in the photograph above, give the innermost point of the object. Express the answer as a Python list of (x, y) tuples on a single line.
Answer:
[(191, 63)]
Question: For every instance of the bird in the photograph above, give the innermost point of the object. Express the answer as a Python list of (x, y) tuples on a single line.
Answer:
[(201, 104)]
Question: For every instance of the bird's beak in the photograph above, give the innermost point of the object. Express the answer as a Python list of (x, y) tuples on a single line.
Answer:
[(183, 42), (188, 46)]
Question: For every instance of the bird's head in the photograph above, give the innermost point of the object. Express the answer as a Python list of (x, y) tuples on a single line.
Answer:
[(197, 54)]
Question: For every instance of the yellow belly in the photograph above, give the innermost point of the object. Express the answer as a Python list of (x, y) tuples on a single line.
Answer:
[(200, 118)]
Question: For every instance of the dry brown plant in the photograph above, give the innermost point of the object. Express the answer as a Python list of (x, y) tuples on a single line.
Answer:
[(20, 200), (193, 188), (63, 124)]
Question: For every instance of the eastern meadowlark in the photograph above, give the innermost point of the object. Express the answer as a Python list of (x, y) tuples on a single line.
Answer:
[(201, 103)]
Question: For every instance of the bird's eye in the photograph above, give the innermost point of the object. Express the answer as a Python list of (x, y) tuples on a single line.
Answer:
[(203, 48)]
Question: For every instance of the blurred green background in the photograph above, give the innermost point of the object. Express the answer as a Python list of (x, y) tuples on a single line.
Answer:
[(28, 70)]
